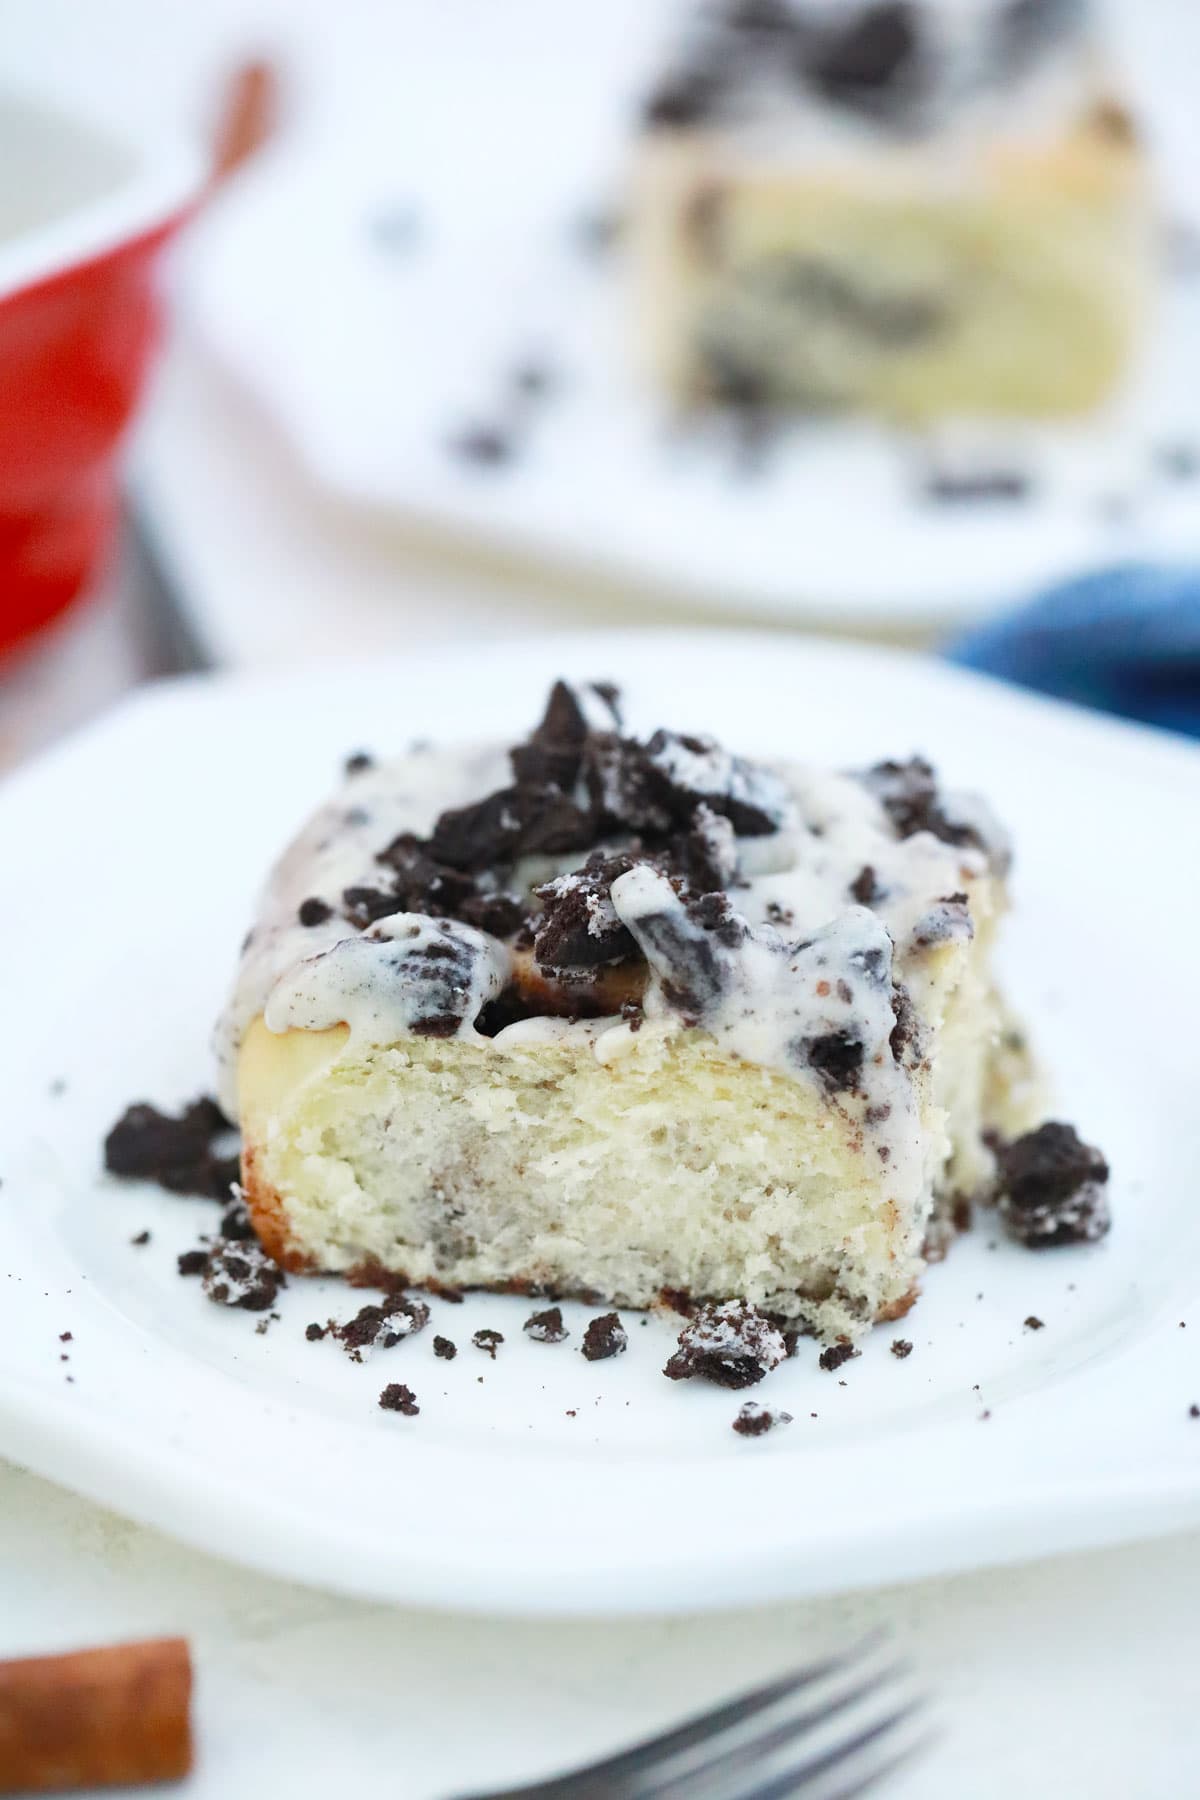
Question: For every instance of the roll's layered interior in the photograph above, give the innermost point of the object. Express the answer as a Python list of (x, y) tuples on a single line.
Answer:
[(625, 1018), (919, 209)]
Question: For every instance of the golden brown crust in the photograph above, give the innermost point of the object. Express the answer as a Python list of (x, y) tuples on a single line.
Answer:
[(269, 1218), (896, 1309)]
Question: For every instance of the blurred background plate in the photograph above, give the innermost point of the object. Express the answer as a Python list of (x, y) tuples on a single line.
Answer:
[(383, 276)]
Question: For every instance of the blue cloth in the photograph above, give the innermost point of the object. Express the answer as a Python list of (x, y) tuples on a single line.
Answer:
[(1126, 640)]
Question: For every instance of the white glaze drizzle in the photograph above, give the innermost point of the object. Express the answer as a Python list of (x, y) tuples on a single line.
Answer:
[(791, 885)]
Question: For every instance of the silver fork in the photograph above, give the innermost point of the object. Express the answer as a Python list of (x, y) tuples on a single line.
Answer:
[(828, 1731)]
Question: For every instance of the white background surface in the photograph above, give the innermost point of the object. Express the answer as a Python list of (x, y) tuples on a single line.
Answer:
[(1074, 1677)]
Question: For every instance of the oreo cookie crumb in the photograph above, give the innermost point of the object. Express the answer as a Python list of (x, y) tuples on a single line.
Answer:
[(192, 1262), (546, 1327), (864, 888), (856, 63), (66, 1337), (754, 1420), (1178, 462), (314, 911), (683, 100), (951, 487), (236, 1224), (597, 231), (901, 1347), (1194, 1411), (398, 1398), (143, 1237), (1051, 1188), (446, 1348), (175, 1151), (359, 763), (488, 1340), (381, 1326), (604, 1337), (314, 1332), (533, 380), (837, 1058), (242, 1275), (395, 227), (1033, 1323), (836, 1354), (487, 446), (909, 794), (731, 1344)]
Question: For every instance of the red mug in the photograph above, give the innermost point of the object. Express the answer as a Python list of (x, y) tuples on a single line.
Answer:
[(80, 316)]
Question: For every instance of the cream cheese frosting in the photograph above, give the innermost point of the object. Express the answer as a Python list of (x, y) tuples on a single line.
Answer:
[(819, 959)]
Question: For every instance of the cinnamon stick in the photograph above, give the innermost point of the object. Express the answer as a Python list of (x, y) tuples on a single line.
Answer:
[(96, 1718)]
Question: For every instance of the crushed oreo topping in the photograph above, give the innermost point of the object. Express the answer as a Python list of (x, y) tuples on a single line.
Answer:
[(905, 1036), (909, 794), (236, 1224), (865, 888), (176, 1152), (950, 487), (853, 63), (314, 911), (837, 1058), (192, 1262), (546, 1327), (1033, 1323), (731, 1344), (683, 100), (242, 1275), (579, 928), (1051, 1188), (445, 1348), (604, 1337), (314, 1332), (487, 1340), (380, 1327), (835, 1355), (398, 1398), (686, 772), (901, 1347), (754, 1420), (487, 446)]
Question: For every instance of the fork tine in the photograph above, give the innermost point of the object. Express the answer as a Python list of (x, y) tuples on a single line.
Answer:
[(741, 1755), (602, 1777), (880, 1771), (696, 1730), (800, 1777)]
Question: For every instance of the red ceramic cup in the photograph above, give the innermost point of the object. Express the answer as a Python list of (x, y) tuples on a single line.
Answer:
[(84, 215)]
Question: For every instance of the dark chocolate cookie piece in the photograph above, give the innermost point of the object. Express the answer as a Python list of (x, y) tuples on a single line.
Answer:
[(1051, 1188), (732, 1344)]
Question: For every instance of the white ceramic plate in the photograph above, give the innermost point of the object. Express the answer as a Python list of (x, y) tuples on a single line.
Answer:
[(131, 857), (372, 348)]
